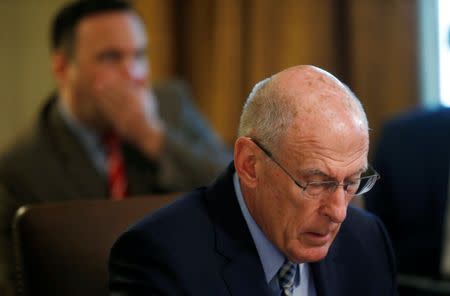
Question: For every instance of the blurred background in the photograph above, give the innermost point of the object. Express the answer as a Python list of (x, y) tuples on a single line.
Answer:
[(387, 51)]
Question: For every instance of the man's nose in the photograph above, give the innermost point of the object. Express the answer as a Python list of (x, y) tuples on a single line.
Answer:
[(335, 205), (136, 71)]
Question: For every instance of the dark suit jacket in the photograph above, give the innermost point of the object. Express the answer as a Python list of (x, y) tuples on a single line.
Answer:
[(413, 157), (49, 163), (200, 245)]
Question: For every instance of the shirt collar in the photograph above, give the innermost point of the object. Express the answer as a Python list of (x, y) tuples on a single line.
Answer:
[(89, 138), (271, 258)]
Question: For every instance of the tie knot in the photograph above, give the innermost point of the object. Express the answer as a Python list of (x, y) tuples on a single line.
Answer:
[(286, 276)]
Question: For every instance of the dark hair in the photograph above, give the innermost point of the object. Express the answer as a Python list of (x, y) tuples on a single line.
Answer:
[(64, 24)]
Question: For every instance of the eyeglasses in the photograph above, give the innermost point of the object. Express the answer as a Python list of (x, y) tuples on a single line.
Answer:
[(317, 189)]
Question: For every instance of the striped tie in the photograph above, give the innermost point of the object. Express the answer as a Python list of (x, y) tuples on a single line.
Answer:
[(117, 182), (286, 276)]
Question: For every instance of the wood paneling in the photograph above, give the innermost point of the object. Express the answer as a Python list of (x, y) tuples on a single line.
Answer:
[(383, 57), (158, 16), (223, 47)]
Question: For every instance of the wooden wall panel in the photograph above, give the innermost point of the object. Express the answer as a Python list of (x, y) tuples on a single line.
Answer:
[(227, 76), (158, 16), (194, 36), (230, 45), (222, 48), (383, 57), (286, 33), (306, 34)]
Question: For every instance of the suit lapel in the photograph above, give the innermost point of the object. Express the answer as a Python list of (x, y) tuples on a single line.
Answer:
[(243, 272), (325, 278), (244, 275), (326, 273), (438, 163), (440, 173), (80, 177)]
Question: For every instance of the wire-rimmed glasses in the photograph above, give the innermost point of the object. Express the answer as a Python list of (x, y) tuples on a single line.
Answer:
[(316, 189)]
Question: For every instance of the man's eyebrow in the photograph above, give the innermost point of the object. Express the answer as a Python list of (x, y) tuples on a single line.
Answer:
[(312, 172)]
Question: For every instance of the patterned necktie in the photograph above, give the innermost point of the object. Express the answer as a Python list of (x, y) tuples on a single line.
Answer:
[(286, 276), (117, 182)]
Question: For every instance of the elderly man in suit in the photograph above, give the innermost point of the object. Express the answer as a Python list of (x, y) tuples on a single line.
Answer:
[(104, 133), (278, 221)]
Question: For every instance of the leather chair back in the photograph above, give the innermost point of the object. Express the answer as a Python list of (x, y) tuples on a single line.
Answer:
[(63, 248)]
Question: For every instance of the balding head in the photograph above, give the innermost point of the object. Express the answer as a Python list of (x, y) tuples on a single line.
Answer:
[(300, 131), (304, 96)]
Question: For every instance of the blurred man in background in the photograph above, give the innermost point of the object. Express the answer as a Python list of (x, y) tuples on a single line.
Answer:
[(104, 133)]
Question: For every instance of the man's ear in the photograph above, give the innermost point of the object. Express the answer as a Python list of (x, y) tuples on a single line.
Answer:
[(60, 67), (245, 161)]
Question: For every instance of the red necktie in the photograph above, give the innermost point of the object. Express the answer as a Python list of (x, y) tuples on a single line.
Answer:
[(117, 181)]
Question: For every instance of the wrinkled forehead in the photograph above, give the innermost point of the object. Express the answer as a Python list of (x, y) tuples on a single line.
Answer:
[(328, 139), (331, 110)]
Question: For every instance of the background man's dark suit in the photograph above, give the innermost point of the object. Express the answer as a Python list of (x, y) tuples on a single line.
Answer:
[(413, 157), (50, 164), (208, 250)]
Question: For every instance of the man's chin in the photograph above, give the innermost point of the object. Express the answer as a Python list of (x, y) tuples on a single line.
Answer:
[(309, 254)]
